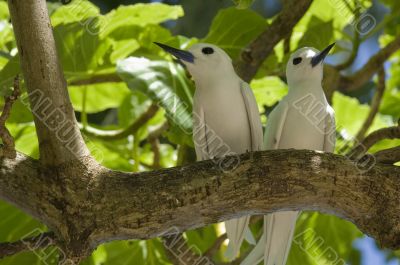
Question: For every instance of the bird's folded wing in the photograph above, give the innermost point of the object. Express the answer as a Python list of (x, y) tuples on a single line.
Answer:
[(199, 133), (275, 123), (330, 131), (253, 117)]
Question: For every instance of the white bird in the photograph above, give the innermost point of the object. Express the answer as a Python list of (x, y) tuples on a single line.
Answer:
[(302, 120), (226, 117)]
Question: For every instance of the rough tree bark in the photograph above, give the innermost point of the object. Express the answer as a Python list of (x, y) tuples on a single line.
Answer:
[(59, 137), (85, 204)]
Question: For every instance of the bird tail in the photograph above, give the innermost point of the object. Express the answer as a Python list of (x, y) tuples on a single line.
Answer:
[(237, 230), (274, 245)]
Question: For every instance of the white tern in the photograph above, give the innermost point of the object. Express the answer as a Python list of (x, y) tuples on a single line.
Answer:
[(302, 120), (226, 117)]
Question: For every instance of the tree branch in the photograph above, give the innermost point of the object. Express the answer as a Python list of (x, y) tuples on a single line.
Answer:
[(374, 137), (101, 78), (356, 44), (388, 156), (376, 101), (59, 137), (88, 205), (27, 244), (8, 149), (130, 130), (355, 81), (257, 51)]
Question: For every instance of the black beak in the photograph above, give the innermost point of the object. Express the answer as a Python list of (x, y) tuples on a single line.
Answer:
[(179, 54), (321, 56)]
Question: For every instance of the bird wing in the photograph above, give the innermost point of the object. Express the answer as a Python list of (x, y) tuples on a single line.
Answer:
[(199, 132), (274, 245), (330, 131), (237, 229), (275, 124), (253, 116)]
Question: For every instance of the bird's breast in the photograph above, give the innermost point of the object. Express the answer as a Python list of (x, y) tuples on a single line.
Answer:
[(227, 125)]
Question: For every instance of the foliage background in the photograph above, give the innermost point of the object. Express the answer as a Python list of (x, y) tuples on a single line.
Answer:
[(94, 39)]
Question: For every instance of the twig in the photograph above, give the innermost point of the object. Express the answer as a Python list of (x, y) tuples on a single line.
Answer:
[(153, 139), (157, 132), (388, 156), (8, 149), (374, 137), (218, 242), (215, 247), (353, 82), (356, 46), (258, 50), (286, 42), (155, 147), (376, 101), (130, 130), (40, 241), (103, 78)]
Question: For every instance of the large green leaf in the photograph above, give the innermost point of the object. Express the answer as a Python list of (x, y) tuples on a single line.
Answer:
[(242, 4), (319, 34), (76, 11), (140, 15), (25, 138), (391, 98), (165, 83), (8, 73), (233, 29), (268, 91), (99, 97), (16, 225), (81, 52), (350, 115), (323, 239)]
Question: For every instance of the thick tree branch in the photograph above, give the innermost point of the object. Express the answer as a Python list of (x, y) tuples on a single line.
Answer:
[(87, 205), (376, 101), (130, 130), (257, 51), (60, 140), (355, 81), (8, 149)]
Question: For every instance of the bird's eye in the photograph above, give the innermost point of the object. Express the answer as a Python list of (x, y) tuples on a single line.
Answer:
[(297, 60), (207, 50)]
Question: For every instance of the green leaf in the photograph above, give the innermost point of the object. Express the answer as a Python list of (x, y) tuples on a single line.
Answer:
[(8, 73), (319, 34), (233, 29), (20, 113), (164, 83), (99, 97), (268, 90), (76, 11), (25, 138), (132, 107), (140, 15), (16, 225), (350, 115), (391, 98), (323, 239), (4, 12), (243, 4), (80, 50)]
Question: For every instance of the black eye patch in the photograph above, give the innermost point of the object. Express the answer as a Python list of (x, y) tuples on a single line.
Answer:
[(207, 50), (297, 60)]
